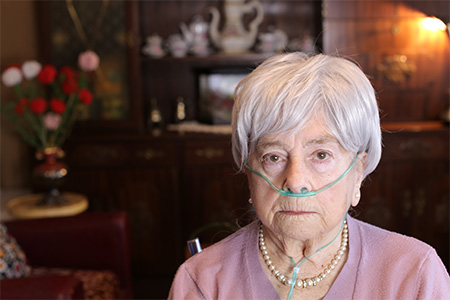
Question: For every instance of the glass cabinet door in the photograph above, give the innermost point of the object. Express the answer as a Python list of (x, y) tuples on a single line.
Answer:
[(105, 27)]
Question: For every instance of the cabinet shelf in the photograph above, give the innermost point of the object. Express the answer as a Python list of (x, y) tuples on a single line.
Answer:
[(213, 58), (413, 126), (216, 60), (190, 177)]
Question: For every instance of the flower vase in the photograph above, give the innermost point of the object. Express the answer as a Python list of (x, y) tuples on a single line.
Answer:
[(50, 174)]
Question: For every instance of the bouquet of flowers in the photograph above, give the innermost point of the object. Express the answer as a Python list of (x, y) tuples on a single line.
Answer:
[(47, 99)]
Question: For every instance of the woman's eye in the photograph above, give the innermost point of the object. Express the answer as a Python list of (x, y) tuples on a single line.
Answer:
[(271, 158), (274, 158), (322, 155)]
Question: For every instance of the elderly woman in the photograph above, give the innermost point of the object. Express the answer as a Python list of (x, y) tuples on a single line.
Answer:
[(306, 131)]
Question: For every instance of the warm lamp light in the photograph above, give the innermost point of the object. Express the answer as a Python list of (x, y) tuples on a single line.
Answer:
[(433, 24)]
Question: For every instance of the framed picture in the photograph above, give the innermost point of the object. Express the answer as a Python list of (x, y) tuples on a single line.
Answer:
[(216, 88)]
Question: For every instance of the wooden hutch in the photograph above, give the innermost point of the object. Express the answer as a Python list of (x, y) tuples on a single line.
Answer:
[(173, 183)]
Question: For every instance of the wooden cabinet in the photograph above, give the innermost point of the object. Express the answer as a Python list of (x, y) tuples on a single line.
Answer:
[(173, 183), (409, 191), (141, 177), (170, 185), (216, 191), (408, 66)]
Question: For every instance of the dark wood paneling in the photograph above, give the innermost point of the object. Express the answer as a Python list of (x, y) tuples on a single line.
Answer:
[(170, 185), (173, 184), (371, 32), (409, 191)]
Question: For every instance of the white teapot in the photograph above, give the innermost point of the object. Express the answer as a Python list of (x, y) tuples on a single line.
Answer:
[(177, 45), (234, 38), (196, 34)]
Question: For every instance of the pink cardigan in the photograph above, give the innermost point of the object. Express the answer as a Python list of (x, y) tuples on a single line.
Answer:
[(380, 265)]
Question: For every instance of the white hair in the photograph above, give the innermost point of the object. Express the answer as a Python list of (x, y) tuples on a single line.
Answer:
[(287, 90)]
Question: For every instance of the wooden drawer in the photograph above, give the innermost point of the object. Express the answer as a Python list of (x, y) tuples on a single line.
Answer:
[(198, 152), (416, 145), (96, 155), (154, 154), (121, 155)]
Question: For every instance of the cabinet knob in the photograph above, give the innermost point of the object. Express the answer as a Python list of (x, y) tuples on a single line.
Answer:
[(407, 203), (420, 202), (415, 147), (130, 39), (150, 154), (209, 153), (100, 155)]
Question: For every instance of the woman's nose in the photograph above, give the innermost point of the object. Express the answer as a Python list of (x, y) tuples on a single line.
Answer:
[(296, 178)]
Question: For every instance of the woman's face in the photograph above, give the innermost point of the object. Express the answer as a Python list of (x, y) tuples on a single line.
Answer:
[(312, 158)]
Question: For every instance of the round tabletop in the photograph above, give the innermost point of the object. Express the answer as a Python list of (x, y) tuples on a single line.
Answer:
[(25, 207)]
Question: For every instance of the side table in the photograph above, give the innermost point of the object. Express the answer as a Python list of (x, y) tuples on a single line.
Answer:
[(24, 207)]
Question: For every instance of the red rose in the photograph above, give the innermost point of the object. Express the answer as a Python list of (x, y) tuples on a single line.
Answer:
[(67, 71), (38, 105), (20, 105), (12, 66), (47, 74), (69, 86), (85, 96), (57, 105)]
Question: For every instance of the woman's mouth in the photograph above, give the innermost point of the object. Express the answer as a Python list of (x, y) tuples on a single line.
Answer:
[(296, 212)]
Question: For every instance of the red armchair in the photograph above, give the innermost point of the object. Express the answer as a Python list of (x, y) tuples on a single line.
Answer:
[(91, 241)]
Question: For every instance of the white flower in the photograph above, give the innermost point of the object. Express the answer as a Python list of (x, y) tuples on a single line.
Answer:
[(12, 76), (31, 69), (52, 121)]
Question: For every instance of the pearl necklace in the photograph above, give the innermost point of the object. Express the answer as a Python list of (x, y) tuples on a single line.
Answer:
[(309, 282)]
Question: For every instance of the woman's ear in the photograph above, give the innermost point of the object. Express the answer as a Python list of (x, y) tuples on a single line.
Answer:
[(356, 198), (360, 167)]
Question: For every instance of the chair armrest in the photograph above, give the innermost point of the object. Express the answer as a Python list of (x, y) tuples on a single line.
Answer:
[(48, 287), (91, 241)]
